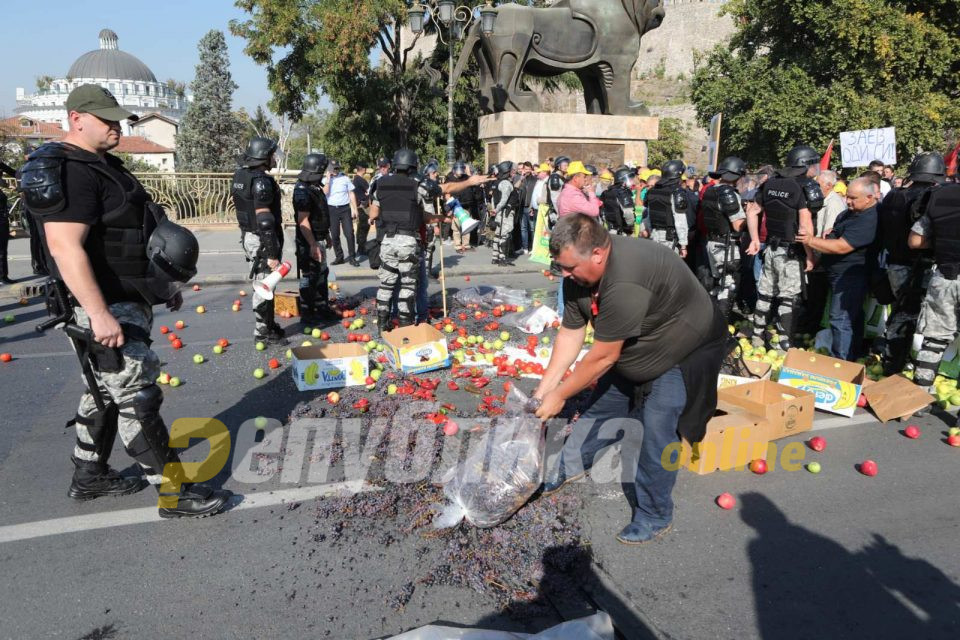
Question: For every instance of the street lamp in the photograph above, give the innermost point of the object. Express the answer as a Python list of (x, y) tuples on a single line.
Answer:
[(445, 14)]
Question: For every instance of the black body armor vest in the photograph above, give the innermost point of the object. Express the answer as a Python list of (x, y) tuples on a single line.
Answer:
[(943, 209), (248, 197), (400, 208), (782, 201)]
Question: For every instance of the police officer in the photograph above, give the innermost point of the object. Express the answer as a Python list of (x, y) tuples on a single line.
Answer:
[(667, 209), (939, 228), (786, 200), (554, 186), (4, 238), (506, 203), (313, 239), (256, 196), (617, 204), (397, 208), (723, 218), (906, 270), (113, 255), (431, 183)]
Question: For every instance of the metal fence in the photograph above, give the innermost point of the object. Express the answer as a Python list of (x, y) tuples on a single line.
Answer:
[(188, 198)]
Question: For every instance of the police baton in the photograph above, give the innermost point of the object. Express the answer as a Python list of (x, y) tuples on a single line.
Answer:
[(443, 273)]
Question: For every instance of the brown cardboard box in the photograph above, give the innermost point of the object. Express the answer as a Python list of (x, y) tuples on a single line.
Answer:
[(732, 441), (759, 370), (788, 411), (287, 302), (895, 397), (836, 384)]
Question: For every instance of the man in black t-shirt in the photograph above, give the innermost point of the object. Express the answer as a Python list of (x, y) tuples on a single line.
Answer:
[(657, 352), (117, 255), (361, 187)]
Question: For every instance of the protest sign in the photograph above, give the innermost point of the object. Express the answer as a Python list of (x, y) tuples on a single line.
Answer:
[(860, 148)]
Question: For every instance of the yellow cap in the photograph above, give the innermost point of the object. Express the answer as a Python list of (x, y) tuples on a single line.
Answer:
[(841, 188), (643, 175), (606, 175), (544, 167), (577, 167)]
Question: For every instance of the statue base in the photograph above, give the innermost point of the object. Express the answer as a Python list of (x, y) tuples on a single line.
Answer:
[(603, 141)]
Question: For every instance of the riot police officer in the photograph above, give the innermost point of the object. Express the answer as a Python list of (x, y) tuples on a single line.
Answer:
[(112, 255), (617, 203), (256, 196), (554, 186), (723, 218), (398, 206), (4, 238), (786, 200), (506, 203), (668, 209), (313, 239), (939, 228), (907, 270)]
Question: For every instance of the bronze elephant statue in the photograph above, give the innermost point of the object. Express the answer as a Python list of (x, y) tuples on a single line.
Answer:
[(599, 40)]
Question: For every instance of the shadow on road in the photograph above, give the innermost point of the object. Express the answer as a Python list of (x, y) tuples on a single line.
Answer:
[(806, 585)]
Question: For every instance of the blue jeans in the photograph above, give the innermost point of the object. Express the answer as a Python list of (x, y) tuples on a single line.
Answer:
[(849, 289), (527, 223), (611, 417)]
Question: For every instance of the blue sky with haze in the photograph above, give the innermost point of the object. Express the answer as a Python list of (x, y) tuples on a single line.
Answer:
[(44, 37)]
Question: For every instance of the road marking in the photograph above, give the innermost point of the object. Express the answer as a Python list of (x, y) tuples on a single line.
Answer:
[(108, 519)]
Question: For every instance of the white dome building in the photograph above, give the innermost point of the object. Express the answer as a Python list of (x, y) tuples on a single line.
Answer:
[(124, 75)]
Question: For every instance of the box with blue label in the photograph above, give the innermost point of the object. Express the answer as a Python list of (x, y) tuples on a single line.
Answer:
[(329, 366), (416, 349), (835, 384)]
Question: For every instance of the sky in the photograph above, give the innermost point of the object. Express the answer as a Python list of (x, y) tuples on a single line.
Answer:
[(44, 37)]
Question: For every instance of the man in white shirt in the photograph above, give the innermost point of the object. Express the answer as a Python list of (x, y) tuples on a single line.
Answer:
[(342, 201)]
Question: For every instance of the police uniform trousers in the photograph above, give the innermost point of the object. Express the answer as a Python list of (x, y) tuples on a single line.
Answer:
[(363, 230), (341, 218), (262, 308), (781, 280), (126, 413), (399, 270), (894, 345), (667, 238), (314, 291), (503, 237), (722, 273), (938, 325), (4, 241)]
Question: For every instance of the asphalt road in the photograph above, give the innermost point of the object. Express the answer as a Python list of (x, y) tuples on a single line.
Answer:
[(834, 555)]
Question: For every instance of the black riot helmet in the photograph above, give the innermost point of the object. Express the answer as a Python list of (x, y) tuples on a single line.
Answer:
[(504, 169), (172, 253), (623, 176), (730, 168), (459, 168), (927, 167), (432, 166), (559, 161), (405, 161), (592, 169), (314, 165), (258, 151), (672, 170)]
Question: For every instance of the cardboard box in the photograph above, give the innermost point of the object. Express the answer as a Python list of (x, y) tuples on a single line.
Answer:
[(287, 302), (732, 441), (759, 371), (895, 397), (416, 349), (835, 384), (330, 366), (787, 411)]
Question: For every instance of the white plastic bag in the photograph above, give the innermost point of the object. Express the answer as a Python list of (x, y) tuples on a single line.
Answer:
[(595, 627), (500, 473), (503, 295), (533, 320), (473, 295)]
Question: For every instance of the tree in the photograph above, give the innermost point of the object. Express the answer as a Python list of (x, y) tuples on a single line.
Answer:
[(177, 88), (259, 124), (800, 72), (669, 145), (44, 82), (210, 135)]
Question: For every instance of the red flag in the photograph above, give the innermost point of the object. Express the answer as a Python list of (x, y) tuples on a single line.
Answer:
[(825, 160), (951, 160)]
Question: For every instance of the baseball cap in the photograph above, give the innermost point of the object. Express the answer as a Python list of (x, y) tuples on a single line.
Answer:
[(95, 100), (544, 167), (577, 167)]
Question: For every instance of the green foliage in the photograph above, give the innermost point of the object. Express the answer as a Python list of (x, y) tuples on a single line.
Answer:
[(210, 135), (44, 82), (669, 145), (800, 72), (259, 124)]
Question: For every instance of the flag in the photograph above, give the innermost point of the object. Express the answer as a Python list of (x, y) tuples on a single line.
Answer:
[(825, 160), (951, 160)]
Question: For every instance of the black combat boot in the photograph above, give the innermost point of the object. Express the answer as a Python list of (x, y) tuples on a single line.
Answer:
[(195, 501), (95, 480), (383, 322)]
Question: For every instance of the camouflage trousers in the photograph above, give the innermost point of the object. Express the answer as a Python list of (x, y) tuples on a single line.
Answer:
[(781, 280), (399, 271), (721, 274), (938, 324), (314, 294), (503, 236), (262, 308), (667, 238), (141, 366)]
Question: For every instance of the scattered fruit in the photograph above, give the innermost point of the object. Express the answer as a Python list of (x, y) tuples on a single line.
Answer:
[(450, 428), (333, 397), (235, 307), (817, 443), (316, 333), (912, 432), (862, 401), (201, 309), (5, 357), (274, 363), (174, 381), (759, 466), (223, 342), (259, 373), (813, 467), (726, 501), (197, 358), (868, 468), (164, 378), (196, 287), (260, 422), (9, 318), (217, 349), (242, 293), (261, 346), (953, 441), (953, 431), (177, 344), (164, 329)]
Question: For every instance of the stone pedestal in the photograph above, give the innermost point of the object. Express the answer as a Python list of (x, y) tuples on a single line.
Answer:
[(603, 141)]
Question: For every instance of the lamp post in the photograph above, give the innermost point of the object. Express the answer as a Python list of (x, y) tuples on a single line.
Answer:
[(446, 14)]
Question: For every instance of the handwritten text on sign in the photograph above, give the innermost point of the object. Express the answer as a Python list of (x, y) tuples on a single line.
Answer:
[(860, 148)]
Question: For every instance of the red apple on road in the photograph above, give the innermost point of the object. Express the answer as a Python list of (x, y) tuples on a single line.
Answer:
[(196, 287), (953, 441), (862, 401), (164, 329), (177, 344), (274, 363), (450, 428), (180, 324), (868, 468), (759, 466), (223, 342), (726, 501), (333, 397), (912, 432), (817, 443), (5, 357), (324, 335)]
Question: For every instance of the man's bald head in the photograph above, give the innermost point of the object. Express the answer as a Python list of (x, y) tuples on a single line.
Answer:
[(861, 194)]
